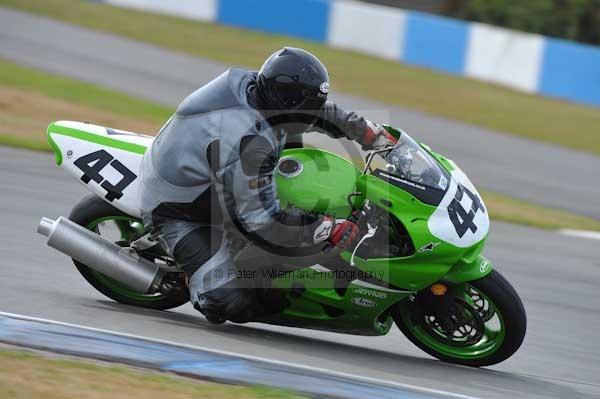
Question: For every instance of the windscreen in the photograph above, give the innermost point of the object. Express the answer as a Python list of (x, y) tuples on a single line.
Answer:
[(411, 162)]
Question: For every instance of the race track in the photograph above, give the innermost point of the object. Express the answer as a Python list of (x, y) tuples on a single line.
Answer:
[(557, 276), (526, 169)]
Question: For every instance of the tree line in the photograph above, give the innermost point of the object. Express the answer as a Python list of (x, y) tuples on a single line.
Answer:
[(577, 20)]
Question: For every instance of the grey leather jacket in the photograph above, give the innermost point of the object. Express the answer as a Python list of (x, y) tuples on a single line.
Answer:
[(213, 163)]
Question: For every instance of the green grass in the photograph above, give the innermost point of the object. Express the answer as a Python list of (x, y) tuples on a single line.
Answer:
[(33, 375), (458, 98), (22, 142), (507, 209), (16, 76)]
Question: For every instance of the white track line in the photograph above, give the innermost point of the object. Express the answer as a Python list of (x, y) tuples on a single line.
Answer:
[(592, 235), (250, 357)]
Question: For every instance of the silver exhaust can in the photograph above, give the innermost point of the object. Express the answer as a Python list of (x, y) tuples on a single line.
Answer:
[(98, 253)]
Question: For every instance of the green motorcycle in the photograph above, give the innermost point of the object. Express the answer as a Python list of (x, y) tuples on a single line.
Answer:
[(417, 264)]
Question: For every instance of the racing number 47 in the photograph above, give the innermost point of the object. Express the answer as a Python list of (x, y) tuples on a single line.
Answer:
[(461, 218), (92, 164)]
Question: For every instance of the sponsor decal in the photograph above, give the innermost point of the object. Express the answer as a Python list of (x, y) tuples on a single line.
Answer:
[(260, 181), (408, 183), (364, 302), (324, 87), (429, 247), (69, 154), (371, 293), (484, 266)]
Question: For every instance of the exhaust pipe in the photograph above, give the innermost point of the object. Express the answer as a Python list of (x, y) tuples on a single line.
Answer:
[(119, 263)]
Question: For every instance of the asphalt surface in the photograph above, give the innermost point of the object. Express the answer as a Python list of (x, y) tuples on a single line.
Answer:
[(557, 276), (522, 168)]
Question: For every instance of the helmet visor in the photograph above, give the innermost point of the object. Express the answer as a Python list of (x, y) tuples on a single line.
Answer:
[(292, 95)]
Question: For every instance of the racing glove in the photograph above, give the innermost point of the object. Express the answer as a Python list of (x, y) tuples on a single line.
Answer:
[(338, 232), (376, 137)]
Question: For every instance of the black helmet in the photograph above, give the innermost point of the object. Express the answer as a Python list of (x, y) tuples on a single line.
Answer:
[(292, 82)]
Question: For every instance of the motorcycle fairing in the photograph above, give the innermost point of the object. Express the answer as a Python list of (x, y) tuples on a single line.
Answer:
[(102, 158), (107, 161)]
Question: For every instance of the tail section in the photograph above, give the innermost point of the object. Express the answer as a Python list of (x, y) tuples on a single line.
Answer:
[(107, 161)]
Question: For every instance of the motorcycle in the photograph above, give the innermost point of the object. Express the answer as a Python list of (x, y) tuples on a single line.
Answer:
[(418, 263)]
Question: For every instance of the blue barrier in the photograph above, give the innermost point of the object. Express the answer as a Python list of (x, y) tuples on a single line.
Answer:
[(565, 69), (435, 42), (307, 19), (572, 71)]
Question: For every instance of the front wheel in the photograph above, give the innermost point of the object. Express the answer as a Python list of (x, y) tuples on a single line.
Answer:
[(99, 216), (483, 323)]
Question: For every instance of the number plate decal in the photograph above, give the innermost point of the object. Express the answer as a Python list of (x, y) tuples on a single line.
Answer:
[(92, 165), (461, 219)]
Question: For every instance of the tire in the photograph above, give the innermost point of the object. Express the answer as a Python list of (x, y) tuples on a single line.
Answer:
[(90, 209), (507, 305)]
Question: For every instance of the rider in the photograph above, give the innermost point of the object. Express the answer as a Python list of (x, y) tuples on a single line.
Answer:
[(214, 160)]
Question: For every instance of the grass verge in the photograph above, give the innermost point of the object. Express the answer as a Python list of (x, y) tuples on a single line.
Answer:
[(33, 99), (30, 99), (21, 142), (467, 100), (77, 92), (507, 209), (25, 375)]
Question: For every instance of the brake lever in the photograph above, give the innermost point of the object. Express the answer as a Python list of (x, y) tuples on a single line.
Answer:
[(371, 230)]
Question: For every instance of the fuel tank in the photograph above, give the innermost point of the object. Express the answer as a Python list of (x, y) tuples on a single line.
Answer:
[(316, 180)]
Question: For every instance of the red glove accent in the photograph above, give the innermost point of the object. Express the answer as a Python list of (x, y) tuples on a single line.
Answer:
[(389, 137), (343, 234), (368, 137), (373, 132)]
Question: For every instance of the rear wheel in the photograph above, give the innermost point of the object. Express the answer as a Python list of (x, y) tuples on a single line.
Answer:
[(97, 215), (483, 323)]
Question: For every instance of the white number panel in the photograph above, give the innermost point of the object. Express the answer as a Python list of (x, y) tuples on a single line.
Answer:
[(461, 219)]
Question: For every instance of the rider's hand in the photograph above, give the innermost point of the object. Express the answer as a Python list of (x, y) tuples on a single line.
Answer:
[(343, 233), (376, 137)]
